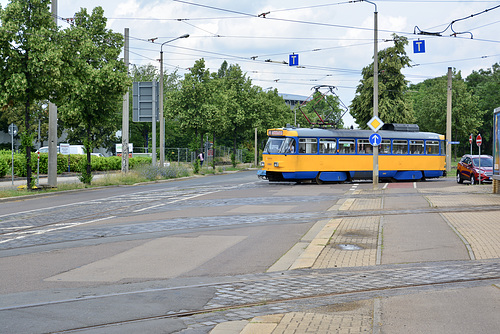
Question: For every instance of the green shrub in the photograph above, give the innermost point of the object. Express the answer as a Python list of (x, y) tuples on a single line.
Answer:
[(85, 177), (62, 163), (196, 166), (248, 156), (77, 163), (20, 165), (4, 165), (137, 162)]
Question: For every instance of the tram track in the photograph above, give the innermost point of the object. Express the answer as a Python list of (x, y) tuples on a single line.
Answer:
[(111, 210), (353, 283), (10, 234)]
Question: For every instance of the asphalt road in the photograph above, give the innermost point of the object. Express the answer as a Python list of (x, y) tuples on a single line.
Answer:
[(133, 238), (169, 257)]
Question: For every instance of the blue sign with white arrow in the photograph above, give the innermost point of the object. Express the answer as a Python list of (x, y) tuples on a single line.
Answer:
[(375, 139)]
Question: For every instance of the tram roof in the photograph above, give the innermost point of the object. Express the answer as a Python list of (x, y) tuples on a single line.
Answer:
[(356, 133)]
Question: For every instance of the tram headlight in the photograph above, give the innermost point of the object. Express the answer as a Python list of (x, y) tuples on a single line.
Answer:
[(262, 164), (276, 164)]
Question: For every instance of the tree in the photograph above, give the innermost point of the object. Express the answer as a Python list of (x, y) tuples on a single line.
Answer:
[(30, 58), (484, 85), (327, 106), (394, 105), (272, 112), (198, 105), (98, 82), (430, 104), (240, 114)]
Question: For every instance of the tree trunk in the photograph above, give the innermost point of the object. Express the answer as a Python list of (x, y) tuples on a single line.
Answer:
[(27, 145), (234, 143), (202, 147), (88, 149)]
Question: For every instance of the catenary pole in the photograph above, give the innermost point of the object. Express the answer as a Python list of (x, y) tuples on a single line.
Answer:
[(448, 122), (162, 118), (125, 113), (52, 163), (375, 88), (375, 92)]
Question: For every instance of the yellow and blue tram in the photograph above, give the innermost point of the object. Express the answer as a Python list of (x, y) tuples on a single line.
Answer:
[(336, 155)]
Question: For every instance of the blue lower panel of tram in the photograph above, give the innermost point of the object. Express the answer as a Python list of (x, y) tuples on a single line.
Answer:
[(299, 175), (433, 173), (333, 176)]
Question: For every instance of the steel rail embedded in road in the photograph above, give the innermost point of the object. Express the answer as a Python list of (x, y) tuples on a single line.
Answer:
[(316, 286)]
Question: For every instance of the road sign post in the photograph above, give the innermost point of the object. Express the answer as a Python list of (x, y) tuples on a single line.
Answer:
[(375, 124), (12, 133), (479, 141), (470, 142)]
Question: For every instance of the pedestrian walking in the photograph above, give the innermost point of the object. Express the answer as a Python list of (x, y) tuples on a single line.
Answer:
[(202, 158)]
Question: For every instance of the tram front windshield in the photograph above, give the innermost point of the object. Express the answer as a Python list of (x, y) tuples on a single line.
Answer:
[(279, 145)]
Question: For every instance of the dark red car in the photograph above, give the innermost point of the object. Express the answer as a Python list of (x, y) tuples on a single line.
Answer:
[(468, 168)]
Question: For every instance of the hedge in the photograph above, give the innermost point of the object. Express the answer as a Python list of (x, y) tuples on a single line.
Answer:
[(76, 163)]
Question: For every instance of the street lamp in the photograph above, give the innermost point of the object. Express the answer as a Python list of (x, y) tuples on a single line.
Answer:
[(375, 85), (162, 120)]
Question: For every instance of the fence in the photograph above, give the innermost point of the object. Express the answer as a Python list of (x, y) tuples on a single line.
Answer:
[(222, 154)]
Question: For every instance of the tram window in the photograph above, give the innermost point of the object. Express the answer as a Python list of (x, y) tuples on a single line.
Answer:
[(385, 146), (327, 145), (347, 146), (400, 147), (364, 146), (273, 145), (432, 146), (417, 147), (308, 145), (288, 146)]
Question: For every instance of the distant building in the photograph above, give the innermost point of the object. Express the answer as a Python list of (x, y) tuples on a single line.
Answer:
[(292, 100)]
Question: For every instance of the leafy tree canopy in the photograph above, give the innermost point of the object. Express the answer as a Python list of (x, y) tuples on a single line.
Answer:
[(98, 83), (394, 105), (327, 106), (30, 63), (484, 85), (430, 101)]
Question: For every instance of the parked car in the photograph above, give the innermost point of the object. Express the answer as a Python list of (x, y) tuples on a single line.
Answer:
[(73, 149), (45, 149), (468, 168)]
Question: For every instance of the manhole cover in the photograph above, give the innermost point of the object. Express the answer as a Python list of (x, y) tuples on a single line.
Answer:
[(349, 247)]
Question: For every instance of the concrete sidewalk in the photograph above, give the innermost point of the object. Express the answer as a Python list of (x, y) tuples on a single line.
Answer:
[(380, 239)]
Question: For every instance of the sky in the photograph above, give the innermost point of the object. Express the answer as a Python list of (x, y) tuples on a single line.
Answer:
[(334, 40)]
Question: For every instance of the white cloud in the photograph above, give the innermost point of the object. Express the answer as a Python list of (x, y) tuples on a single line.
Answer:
[(341, 34)]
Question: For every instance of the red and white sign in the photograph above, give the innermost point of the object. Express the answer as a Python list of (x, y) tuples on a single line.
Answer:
[(470, 139), (479, 140)]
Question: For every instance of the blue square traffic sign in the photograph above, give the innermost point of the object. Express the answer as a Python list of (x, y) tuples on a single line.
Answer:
[(419, 46), (293, 60)]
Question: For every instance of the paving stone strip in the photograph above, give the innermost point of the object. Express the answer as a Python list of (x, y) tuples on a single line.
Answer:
[(303, 283)]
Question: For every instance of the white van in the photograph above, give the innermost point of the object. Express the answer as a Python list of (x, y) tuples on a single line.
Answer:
[(73, 149)]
